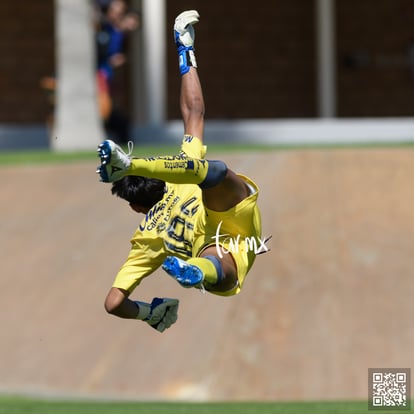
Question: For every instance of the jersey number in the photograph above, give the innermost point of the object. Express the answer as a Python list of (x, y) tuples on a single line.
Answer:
[(181, 229)]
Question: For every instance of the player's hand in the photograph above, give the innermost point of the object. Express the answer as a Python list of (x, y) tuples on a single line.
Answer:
[(183, 29), (160, 314)]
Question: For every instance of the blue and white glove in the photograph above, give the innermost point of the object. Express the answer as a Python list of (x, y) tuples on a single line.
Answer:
[(160, 314), (184, 39)]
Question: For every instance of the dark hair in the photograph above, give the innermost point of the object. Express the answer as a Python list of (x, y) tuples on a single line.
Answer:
[(139, 190)]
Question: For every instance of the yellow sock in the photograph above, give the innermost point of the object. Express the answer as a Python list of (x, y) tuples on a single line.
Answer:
[(211, 268), (179, 169)]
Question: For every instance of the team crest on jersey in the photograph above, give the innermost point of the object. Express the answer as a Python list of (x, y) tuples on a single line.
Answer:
[(161, 227)]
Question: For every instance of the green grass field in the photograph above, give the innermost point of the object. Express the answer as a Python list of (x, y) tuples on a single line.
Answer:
[(10, 405), (45, 156)]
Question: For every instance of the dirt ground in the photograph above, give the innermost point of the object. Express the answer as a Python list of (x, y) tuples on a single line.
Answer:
[(332, 298)]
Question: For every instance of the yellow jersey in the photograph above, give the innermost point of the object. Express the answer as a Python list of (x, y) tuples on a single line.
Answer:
[(180, 225)]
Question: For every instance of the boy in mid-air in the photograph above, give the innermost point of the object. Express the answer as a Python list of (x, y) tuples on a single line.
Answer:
[(201, 219)]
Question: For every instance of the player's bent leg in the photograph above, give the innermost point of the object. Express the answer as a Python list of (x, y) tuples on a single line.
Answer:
[(208, 271), (225, 281), (226, 194), (179, 169)]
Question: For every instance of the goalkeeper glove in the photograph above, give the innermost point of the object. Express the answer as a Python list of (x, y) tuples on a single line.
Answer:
[(184, 39), (160, 314)]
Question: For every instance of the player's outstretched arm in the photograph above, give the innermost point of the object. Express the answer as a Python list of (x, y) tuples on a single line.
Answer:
[(160, 314), (191, 95), (192, 104)]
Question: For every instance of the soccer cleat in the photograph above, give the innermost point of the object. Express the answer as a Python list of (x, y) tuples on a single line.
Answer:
[(114, 161), (185, 274)]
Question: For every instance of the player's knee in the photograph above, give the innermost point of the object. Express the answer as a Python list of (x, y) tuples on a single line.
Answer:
[(217, 170)]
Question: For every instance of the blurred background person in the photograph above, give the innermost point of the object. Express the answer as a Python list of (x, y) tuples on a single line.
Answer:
[(115, 22)]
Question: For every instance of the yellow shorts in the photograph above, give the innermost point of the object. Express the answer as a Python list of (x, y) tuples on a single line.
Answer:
[(236, 231)]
